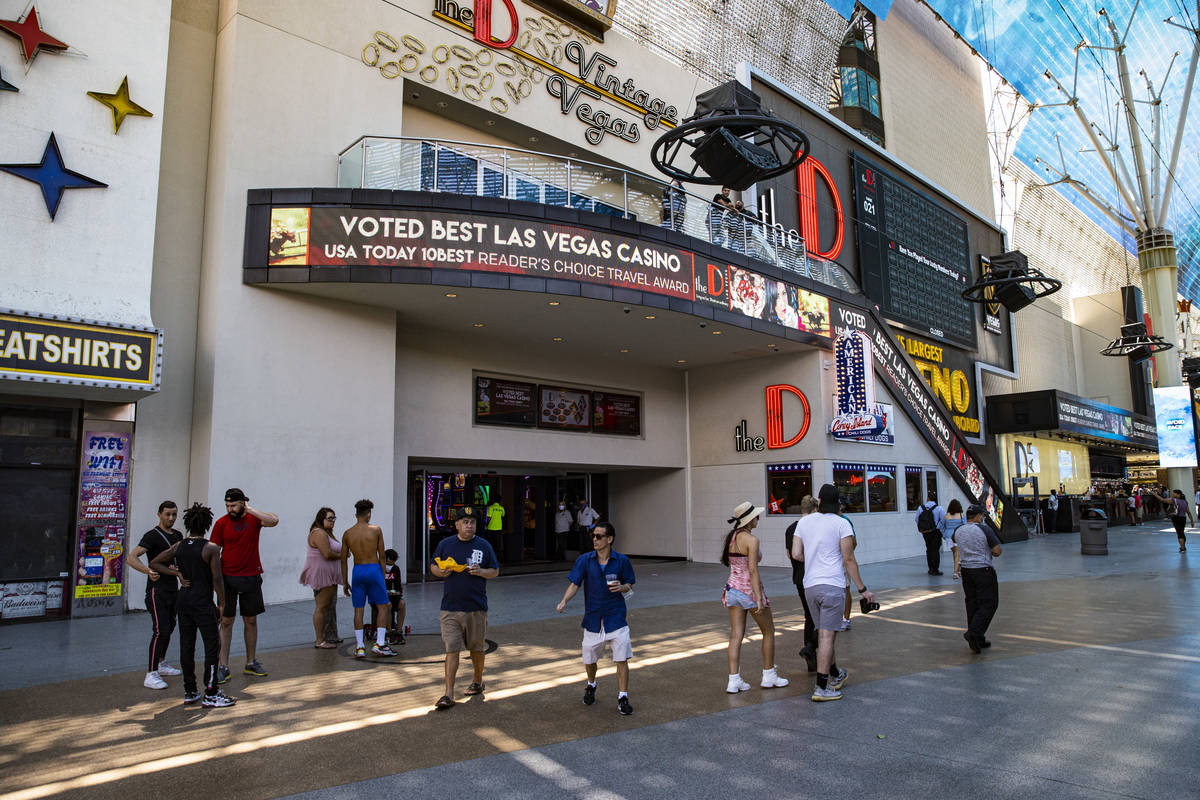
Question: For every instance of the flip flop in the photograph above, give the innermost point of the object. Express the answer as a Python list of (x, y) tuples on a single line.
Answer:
[(443, 702), (325, 646)]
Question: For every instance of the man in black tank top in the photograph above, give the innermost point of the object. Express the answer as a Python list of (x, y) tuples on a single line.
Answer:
[(197, 564)]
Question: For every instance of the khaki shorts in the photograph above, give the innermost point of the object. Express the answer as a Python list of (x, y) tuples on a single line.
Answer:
[(618, 641), (464, 630)]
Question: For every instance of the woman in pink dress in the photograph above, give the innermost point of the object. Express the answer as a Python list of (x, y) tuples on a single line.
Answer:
[(322, 573), (744, 594)]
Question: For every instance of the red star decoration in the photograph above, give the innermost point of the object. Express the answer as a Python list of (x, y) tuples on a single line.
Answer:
[(33, 38), (776, 506)]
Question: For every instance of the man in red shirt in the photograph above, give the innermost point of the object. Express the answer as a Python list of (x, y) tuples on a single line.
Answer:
[(236, 534)]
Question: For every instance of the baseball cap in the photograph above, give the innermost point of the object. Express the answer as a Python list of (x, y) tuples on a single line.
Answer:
[(467, 513), (828, 498), (974, 509), (235, 495)]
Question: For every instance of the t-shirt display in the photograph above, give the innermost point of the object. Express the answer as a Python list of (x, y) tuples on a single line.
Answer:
[(822, 535), (495, 517), (463, 591), (238, 540)]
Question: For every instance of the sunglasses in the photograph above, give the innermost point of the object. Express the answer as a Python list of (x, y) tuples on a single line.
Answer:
[(599, 535)]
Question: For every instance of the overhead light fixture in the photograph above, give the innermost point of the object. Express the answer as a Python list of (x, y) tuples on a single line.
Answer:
[(716, 333), (1136, 343), (451, 294), (490, 122), (649, 316), (681, 361), (553, 303), (623, 350), (533, 139), (442, 104), (476, 324), (557, 339)]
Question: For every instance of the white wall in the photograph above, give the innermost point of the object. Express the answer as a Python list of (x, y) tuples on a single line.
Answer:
[(723, 395), (94, 260), (650, 512)]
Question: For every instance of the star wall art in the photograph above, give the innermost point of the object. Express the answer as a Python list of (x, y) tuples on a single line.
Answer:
[(33, 39), (52, 176), (120, 103)]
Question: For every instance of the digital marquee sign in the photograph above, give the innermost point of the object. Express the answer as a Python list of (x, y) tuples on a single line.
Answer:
[(914, 256)]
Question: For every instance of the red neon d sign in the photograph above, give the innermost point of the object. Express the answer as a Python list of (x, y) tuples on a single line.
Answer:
[(483, 24), (775, 394)]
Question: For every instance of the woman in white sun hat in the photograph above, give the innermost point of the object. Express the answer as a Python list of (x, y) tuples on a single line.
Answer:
[(744, 593)]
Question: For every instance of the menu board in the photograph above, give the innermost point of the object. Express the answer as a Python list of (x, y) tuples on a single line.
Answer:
[(914, 256), (502, 402), (564, 409), (616, 413)]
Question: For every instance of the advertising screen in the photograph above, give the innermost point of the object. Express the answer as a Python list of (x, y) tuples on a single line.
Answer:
[(565, 409), (1173, 419), (914, 256), (502, 402), (616, 413)]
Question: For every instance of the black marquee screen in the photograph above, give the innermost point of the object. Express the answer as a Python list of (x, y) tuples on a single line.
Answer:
[(914, 256)]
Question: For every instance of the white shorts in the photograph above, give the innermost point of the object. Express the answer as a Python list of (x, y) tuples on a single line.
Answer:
[(593, 644)]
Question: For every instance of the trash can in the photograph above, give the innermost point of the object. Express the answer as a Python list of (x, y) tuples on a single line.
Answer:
[(1093, 533)]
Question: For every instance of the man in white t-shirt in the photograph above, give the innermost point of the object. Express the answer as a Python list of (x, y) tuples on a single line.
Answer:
[(586, 516), (825, 543)]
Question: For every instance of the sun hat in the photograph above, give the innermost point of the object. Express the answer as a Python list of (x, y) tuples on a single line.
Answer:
[(744, 512)]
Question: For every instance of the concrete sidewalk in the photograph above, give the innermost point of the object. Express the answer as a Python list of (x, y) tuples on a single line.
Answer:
[(1089, 691)]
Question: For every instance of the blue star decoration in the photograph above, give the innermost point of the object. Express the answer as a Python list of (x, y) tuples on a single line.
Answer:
[(52, 175), (5, 86)]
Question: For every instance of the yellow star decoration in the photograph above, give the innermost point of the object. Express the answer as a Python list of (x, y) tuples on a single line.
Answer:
[(120, 104)]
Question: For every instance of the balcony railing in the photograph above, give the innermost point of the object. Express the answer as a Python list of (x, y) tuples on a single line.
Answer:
[(439, 165)]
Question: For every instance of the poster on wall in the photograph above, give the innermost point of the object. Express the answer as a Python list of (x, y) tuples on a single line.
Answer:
[(565, 409), (1173, 419), (503, 402), (616, 413), (104, 479), (100, 562)]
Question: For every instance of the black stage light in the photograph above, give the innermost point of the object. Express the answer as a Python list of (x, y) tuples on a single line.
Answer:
[(734, 141), (1011, 282)]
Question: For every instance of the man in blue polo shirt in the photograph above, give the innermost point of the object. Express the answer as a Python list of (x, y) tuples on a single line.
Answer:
[(606, 577)]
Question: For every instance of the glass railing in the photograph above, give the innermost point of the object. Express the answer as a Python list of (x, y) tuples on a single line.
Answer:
[(439, 165)]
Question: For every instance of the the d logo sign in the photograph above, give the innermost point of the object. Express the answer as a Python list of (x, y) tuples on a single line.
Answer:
[(810, 226), (775, 393), (483, 24)]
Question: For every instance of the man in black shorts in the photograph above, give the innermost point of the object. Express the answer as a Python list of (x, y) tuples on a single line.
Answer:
[(160, 592), (236, 534), (196, 562)]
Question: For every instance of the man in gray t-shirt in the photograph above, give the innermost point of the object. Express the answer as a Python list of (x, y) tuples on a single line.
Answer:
[(974, 546)]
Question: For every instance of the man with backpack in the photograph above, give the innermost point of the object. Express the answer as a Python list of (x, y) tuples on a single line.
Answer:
[(929, 518)]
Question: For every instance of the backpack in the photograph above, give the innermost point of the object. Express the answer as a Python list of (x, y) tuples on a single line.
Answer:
[(925, 520)]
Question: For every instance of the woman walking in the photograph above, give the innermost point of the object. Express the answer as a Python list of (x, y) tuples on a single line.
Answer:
[(744, 593), (322, 573), (950, 523), (1180, 510)]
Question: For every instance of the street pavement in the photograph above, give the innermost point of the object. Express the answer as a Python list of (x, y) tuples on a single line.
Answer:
[(1090, 690)]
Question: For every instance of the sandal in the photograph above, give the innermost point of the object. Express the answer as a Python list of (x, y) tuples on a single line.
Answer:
[(325, 646), (474, 688), (443, 702)]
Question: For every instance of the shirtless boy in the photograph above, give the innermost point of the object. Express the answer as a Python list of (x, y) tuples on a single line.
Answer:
[(365, 542)]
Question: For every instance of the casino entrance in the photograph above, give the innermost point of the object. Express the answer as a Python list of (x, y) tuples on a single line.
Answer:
[(521, 511)]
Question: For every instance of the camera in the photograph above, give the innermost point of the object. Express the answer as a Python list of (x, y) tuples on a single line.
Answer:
[(867, 606), (703, 324), (627, 310)]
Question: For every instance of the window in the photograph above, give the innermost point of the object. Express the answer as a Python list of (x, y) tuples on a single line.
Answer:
[(859, 89), (849, 480), (912, 487), (787, 484), (493, 182), (881, 487), (931, 485), (849, 86)]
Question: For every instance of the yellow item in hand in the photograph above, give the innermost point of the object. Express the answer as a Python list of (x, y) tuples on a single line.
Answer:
[(449, 564)]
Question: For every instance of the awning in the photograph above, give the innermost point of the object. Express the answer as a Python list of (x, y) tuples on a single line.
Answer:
[(1056, 411)]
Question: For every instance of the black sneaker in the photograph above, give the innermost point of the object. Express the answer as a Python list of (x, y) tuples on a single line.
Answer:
[(972, 643), (222, 673), (810, 658), (589, 695), (192, 697), (624, 707)]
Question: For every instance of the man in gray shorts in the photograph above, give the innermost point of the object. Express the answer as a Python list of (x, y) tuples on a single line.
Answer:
[(825, 543), (466, 561)]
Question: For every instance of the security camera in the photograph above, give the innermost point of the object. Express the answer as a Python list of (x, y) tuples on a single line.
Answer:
[(627, 310), (703, 324)]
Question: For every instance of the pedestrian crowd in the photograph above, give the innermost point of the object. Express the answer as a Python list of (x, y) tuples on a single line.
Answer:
[(186, 571)]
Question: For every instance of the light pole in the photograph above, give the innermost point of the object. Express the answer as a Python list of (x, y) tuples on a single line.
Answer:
[(1145, 192)]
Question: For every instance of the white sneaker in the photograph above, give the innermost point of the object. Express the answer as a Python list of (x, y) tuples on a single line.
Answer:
[(736, 684), (820, 695), (839, 680), (166, 669), (771, 679), (153, 681)]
